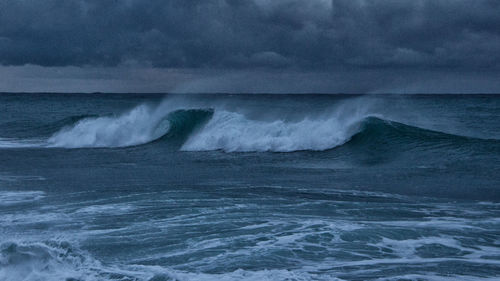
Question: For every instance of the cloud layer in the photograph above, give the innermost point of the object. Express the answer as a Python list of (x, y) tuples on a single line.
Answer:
[(312, 35)]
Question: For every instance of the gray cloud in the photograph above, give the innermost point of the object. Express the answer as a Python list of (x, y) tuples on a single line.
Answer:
[(313, 35)]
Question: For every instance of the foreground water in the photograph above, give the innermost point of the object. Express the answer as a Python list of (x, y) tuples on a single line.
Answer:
[(249, 187)]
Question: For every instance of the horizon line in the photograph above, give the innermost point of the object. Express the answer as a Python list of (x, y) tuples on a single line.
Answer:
[(244, 93)]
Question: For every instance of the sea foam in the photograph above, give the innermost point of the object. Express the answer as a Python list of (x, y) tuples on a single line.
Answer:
[(206, 127), (231, 131), (227, 129), (139, 125)]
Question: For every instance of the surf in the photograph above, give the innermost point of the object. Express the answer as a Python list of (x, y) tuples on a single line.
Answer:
[(141, 125), (233, 132), (216, 127)]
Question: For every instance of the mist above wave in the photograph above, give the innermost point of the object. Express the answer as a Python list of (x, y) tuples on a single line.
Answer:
[(138, 126), (231, 132), (226, 130), (205, 126)]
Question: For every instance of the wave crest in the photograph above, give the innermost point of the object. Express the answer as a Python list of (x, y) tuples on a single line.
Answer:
[(141, 125), (232, 132), (138, 126)]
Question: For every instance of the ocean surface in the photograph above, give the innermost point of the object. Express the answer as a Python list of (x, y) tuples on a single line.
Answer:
[(249, 187)]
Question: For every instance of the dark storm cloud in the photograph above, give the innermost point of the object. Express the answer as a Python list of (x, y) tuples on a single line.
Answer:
[(318, 35)]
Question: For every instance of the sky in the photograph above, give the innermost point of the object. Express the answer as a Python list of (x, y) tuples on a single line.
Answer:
[(251, 46)]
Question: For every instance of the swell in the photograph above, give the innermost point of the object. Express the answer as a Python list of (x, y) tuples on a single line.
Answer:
[(376, 131), (208, 129), (31, 129), (232, 132)]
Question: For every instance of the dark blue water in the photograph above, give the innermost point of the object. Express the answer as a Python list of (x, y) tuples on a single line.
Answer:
[(249, 187)]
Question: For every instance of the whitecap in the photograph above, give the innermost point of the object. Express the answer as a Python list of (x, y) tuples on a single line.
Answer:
[(234, 132), (139, 125)]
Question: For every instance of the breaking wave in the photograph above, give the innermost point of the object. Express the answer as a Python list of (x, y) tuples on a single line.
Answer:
[(208, 129), (230, 132), (139, 126)]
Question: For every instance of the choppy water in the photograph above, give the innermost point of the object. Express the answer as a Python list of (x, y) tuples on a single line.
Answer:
[(249, 187)]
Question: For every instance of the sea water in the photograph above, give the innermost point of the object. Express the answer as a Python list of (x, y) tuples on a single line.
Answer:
[(249, 187)]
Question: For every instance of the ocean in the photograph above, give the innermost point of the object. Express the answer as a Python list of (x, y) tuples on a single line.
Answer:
[(249, 187)]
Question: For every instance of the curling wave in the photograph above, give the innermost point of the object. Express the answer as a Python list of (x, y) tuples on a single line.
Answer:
[(232, 132), (139, 126), (229, 131)]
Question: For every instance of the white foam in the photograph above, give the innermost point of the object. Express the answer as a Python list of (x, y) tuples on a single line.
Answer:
[(19, 143), (434, 277), (28, 218), (14, 178), (106, 209), (407, 248), (440, 223), (234, 132), (228, 130), (57, 260), (39, 261), (54, 260), (138, 126), (247, 275)]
